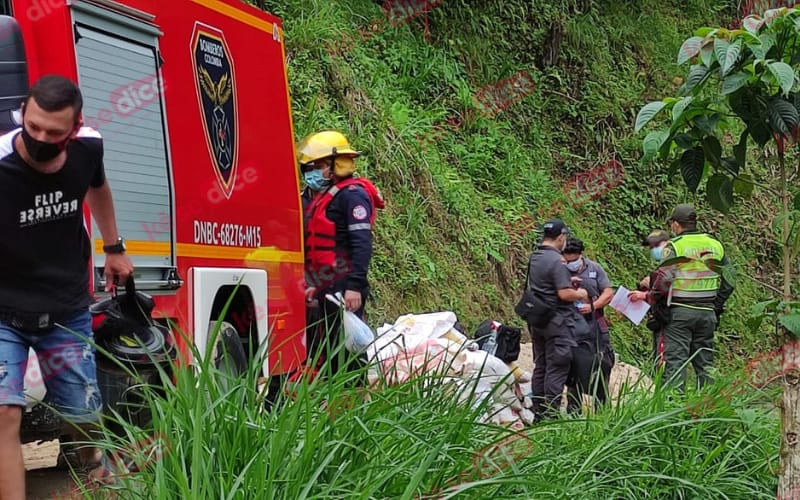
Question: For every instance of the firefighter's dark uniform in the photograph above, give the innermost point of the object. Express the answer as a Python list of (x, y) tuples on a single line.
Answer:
[(691, 280), (594, 355), (553, 343), (338, 240)]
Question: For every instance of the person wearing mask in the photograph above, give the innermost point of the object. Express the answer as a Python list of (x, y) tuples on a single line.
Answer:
[(691, 278), (49, 167), (593, 359), (339, 220), (658, 316), (553, 342)]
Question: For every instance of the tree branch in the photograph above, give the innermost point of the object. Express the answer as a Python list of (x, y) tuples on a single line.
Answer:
[(775, 290), (750, 181)]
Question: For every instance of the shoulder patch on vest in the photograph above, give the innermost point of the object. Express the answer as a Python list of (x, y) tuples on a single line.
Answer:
[(667, 252)]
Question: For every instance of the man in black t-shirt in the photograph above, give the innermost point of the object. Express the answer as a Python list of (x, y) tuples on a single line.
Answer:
[(47, 169)]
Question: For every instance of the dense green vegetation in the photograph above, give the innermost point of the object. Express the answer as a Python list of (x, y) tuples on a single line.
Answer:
[(213, 440), (466, 188)]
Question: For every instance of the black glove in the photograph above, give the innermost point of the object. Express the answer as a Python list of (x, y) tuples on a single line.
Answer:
[(718, 311)]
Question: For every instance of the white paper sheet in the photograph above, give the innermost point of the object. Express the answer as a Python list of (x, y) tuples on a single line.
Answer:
[(634, 311)]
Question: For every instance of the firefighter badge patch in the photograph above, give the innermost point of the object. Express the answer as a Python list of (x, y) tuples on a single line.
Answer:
[(359, 212), (216, 93)]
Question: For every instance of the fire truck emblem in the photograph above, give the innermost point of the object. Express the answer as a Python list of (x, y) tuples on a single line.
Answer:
[(216, 92)]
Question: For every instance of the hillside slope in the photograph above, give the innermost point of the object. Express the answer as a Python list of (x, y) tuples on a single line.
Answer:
[(470, 166)]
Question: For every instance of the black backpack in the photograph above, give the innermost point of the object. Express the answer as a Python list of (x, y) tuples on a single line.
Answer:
[(508, 340)]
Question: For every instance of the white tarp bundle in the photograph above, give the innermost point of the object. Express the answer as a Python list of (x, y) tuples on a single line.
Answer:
[(427, 344)]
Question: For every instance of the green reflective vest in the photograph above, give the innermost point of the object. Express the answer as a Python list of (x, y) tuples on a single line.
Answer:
[(696, 279)]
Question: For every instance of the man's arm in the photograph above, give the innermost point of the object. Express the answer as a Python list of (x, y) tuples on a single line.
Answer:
[(572, 295), (726, 287), (607, 292), (358, 210), (101, 204), (562, 282), (604, 299)]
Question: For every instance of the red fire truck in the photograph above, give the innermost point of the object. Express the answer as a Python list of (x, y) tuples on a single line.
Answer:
[(191, 98)]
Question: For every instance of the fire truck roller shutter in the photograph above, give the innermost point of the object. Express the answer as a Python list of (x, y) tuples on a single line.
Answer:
[(118, 74)]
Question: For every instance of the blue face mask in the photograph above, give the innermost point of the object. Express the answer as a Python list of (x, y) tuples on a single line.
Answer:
[(574, 266), (315, 180), (656, 253)]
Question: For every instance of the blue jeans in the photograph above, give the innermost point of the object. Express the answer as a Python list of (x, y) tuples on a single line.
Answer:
[(66, 368)]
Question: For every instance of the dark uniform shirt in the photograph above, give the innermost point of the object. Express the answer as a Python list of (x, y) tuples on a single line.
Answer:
[(594, 278), (548, 274), (351, 210)]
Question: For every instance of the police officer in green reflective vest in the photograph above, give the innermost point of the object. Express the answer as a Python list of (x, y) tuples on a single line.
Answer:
[(692, 278)]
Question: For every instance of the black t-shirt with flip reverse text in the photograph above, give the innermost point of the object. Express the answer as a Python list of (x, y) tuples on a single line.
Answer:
[(45, 247)]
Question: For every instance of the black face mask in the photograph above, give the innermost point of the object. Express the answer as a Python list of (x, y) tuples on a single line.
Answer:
[(42, 151)]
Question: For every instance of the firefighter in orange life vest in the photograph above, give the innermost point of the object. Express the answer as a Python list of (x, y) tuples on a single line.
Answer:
[(338, 238)]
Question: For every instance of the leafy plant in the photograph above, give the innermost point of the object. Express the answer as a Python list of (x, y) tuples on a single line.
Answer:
[(741, 83)]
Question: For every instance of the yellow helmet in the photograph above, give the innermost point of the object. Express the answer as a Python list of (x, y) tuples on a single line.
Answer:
[(327, 144)]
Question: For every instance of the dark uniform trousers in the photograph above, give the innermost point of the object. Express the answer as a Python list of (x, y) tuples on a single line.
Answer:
[(689, 335), (326, 336), (552, 355), (592, 361)]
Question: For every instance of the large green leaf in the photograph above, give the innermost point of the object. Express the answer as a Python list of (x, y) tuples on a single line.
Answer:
[(707, 52), (720, 48), (760, 47), (731, 55), (754, 323), (734, 82), (783, 116), (706, 31), (684, 140), (692, 162), (653, 142), (784, 74), (712, 149), (719, 190), (696, 75), (647, 113), (740, 150), (760, 133), (707, 123), (689, 49), (791, 322), (674, 167), (763, 307), (741, 104), (680, 107), (743, 186), (752, 24)]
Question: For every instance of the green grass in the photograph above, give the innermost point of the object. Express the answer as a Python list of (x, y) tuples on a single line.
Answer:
[(332, 440)]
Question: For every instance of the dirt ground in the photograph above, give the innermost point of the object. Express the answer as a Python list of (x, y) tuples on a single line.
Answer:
[(621, 374), (42, 479)]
